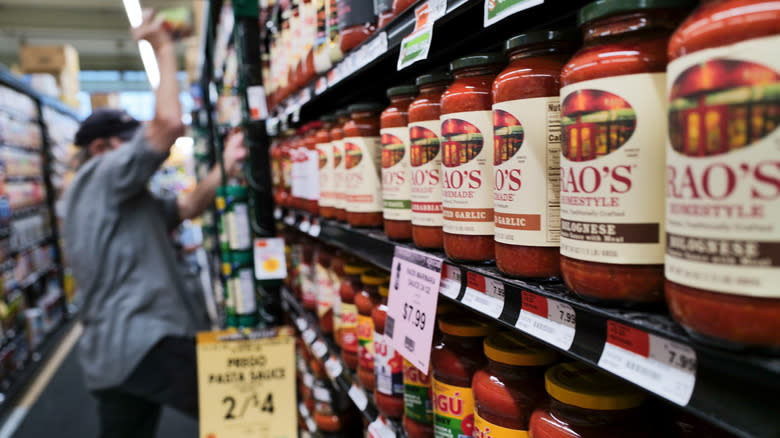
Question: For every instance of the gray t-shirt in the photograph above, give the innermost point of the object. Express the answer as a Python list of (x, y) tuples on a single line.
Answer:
[(134, 292)]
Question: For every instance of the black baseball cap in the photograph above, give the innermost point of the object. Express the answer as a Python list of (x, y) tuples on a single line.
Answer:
[(104, 123)]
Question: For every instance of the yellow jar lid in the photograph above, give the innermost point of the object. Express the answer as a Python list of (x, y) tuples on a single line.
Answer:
[(355, 269), (384, 289), (580, 385), (453, 324), (373, 278), (516, 349)]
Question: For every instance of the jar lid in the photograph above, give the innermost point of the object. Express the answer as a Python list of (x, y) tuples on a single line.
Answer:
[(384, 289), (579, 385), (541, 36), (458, 325), (491, 58), (516, 349), (432, 78), (341, 113), (242, 258), (373, 278), (355, 269), (401, 90), (365, 106), (328, 118), (603, 8)]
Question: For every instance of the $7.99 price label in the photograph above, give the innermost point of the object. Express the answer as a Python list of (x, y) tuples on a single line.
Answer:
[(665, 367), (549, 320), (484, 294)]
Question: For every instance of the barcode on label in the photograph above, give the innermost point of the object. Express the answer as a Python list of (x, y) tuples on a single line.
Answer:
[(642, 370), (389, 325), (409, 343)]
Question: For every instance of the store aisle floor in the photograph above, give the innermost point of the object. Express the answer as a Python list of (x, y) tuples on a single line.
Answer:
[(65, 409)]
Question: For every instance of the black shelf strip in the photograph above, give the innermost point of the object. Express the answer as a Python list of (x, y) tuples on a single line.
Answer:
[(30, 245), (736, 390)]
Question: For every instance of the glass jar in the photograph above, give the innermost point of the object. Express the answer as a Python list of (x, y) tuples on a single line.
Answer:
[(310, 171), (362, 157), (425, 158), (306, 272), (467, 158), (297, 176), (587, 403), (388, 364), (730, 295), (325, 165), (511, 386), (613, 111), (357, 22), (454, 362), (384, 12), (339, 170), (365, 302), (326, 293), (337, 270), (349, 288), (285, 153), (526, 128), (396, 175)]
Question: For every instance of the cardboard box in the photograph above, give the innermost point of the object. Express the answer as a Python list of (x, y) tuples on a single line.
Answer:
[(49, 59)]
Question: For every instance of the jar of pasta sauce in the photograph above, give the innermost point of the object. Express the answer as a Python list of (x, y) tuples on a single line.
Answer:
[(339, 169), (337, 264), (362, 158), (425, 158), (325, 257), (350, 287), (326, 169), (285, 158), (722, 196), (310, 171), (527, 148), (297, 166), (396, 175), (384, 12), (357, 22), (467, 158), (454, 362), (587, 403), (306, 272), (511, 386), (613, 122), (388, 364), (365, 301)]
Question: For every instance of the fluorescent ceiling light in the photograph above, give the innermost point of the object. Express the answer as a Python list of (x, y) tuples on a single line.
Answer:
[(136, 17), (134, 13)]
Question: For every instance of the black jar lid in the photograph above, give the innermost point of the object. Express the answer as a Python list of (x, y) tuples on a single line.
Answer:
[(478, 60), (401, 90), (541, 36), (604, 8), (432, 78), (365, 107)]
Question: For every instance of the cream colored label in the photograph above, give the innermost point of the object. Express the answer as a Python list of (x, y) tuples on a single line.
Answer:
[(325, 291), (325, 163), (246, 302), (339, 173), (362, 161), (612, 169), (526, 171), (396, 175), (723, 169), (425, 158), (467, 164)]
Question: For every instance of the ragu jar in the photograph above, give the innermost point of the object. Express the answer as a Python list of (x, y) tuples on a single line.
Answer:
[(365, 301), (396, 175), (467, 158), (337, 263), (362, 158), (511, 386), (588, 403), (613, 122), (527, 148), (357, 22), (327, 199), (388, 364), (723, 184), (384, 12), (418, 402), (310, 192), (326, 293), (425, 158), (339, 169), (350, 286), (454, 362)]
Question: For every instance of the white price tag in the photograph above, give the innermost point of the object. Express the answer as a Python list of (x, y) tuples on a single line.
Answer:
[(304, 226), (311, 425), (358, 397), (277, 213), (319, 348), (289, 220), (378, 429), (497, 10), (269, 259), (304, 97), (411, 306), (258, 108), (308, 336), (333, 367), (315, 230), (483, 294), (549, 320), (321, 85), (308, 380), (321, 394), (301, 324), (303, 410), (450, 281), (665, 367)]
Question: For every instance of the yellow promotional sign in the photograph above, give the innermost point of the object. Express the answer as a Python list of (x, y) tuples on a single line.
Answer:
[(246, 384)]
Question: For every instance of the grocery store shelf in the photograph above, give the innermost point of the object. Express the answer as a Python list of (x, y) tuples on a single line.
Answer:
[(24, 212), (33, 244), (737, 390), (36, 276)]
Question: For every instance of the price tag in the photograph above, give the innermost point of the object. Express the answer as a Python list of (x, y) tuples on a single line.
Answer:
[(315, 230), (358, 397), (303, 410), (277, 213), (289, 219), (246, 384), (301, 324), (416, 45), (321, 85), (319, 348), (497, 10), (304, 226), (665, 367), (258, 109), (411, 306), (549, 320), (380, 429), (484, 294), (450, 281), (333, 367), (308, 336), (308, 380), (269, 258), (304, 97), (321, 394)]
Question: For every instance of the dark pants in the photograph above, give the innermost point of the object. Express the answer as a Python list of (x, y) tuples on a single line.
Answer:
[(167, 376)]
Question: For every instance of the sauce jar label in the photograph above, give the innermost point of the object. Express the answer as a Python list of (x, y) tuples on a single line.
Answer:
[(339, 173), (453, 411), (308, 287), (310, 172), (396, 176), (362, 161), (388, 367), (240, 236), (325, 291), (418, 403), (425, 159), (349, 324), (723, 169), (612, 166), (326, 171), (526, 171), (467, 159), (486, 429), (365, 334), (355, 12), (336, 310), (243, 291)]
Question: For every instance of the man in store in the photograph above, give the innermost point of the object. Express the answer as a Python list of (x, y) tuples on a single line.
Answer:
[(140, 310)]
